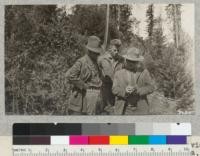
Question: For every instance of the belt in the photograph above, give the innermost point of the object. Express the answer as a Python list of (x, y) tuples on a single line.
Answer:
[(94, 88), (129, 105)]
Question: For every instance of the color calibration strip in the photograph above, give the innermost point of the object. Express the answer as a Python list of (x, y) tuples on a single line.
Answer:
[(88, 129), (100, 133), (99, 140)]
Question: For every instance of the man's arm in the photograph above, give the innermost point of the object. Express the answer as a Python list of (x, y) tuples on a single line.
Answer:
[(106, 67), (106, 70), (73, 75), (148, 88), (117, 89)]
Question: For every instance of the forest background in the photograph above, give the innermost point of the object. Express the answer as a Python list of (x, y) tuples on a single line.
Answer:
[(43, 41)]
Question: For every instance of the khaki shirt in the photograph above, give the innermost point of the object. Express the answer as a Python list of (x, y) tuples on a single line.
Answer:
[(83, 73)]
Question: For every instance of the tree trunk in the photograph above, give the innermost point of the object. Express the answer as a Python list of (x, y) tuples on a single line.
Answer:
[(118, 17), (176, 26), (107, 27)]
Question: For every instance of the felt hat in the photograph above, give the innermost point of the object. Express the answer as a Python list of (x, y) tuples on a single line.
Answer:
[(93, 44), (133, 54)]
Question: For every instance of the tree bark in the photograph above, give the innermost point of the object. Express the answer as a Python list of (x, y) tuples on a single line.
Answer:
[(176, 26), (118, 17), (106, 27)]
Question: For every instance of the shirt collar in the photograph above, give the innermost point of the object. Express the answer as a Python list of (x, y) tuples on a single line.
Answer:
[(109, 56)]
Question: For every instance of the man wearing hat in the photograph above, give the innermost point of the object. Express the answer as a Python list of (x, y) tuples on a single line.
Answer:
[(131, 86), (84, 75), (109, 63)]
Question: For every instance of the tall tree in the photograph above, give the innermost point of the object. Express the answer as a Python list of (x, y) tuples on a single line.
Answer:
[(82, 15), (150, 20), (126, 22), (106, 27), (120, 22), (174, 15), (158, 39), (150, 54), (115, 10)]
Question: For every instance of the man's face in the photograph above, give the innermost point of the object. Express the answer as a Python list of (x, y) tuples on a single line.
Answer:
[(93, 55), (114, 52), (132, 65)]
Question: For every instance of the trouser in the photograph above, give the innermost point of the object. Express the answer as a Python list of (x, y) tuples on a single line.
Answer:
[(141, 109), (107, 95), (72, 112), (93, 101), (122, 107), (108, 99)]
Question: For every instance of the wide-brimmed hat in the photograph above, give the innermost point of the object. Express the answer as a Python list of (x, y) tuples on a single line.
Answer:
[(94, 44), (116, 42), (133, 54)]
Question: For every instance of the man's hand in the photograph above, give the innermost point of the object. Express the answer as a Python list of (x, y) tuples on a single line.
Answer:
[(130, 89), (85, 86)]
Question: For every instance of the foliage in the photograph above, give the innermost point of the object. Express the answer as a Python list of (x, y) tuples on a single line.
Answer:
[(176, 82), (90, 20), (126, 23), (168, 63), (43, 42), (150, 19), (155, 44), (36, 62), (158, 41)]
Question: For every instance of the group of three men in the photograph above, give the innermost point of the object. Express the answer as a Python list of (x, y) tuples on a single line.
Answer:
[(105, 82)]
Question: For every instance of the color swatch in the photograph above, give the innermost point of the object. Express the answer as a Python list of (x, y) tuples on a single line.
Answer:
[(141, 140), (102, 129), (100, 140), (118, 140), (59, 140), (157, 140), (101, 134)]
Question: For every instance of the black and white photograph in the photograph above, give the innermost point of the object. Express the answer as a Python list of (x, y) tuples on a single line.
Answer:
[(99, 59)]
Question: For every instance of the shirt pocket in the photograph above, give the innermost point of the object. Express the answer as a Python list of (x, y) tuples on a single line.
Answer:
[(85, 73)]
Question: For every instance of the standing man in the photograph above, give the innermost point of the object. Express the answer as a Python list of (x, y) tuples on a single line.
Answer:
[(84, 75), (131, 86), (109, 63)]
